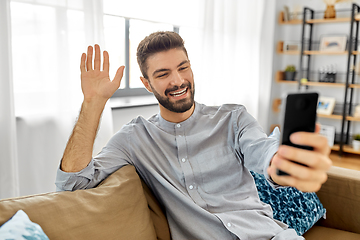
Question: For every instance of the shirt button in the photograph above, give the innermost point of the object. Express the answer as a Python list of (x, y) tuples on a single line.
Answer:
[(228, 224), (191, 187), (178, 125), (183, 160)]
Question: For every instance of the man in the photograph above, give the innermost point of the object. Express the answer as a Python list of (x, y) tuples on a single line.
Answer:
[(195, 158)]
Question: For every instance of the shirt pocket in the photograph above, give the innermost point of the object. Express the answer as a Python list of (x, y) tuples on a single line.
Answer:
[(219, 170)]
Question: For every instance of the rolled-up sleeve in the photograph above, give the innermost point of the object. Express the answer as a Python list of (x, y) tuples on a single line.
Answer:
[(69, 181), (112, 157)]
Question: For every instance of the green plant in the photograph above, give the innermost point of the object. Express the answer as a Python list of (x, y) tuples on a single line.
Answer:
[(290, 68), (357, 137)]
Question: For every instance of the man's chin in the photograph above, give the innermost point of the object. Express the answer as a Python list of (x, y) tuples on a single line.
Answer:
[(179, 106)]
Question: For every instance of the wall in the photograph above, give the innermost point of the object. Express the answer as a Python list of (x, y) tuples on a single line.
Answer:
[(293, 33)]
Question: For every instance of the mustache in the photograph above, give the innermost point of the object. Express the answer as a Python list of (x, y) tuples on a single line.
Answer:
[(184, 85)]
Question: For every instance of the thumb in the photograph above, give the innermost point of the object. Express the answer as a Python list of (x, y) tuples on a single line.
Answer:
[(317, 128), (118, 76)]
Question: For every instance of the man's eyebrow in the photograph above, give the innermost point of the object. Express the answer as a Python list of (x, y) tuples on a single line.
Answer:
[(166, 69), (183, 62)]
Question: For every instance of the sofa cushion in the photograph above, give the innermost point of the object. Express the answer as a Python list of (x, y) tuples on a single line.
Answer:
[(319, 232), (297, 209), (116, 209), (340, 195)]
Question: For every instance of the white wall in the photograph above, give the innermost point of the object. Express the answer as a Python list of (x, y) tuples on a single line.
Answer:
[(293, 33)]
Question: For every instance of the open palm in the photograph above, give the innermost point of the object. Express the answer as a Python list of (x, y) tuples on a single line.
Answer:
[(96, 84)]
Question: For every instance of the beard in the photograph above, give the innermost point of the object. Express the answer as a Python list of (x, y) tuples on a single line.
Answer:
[(179, 106)]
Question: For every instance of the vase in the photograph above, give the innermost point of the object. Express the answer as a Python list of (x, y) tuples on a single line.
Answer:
[(356, 145), (290, 76), (330, 12)]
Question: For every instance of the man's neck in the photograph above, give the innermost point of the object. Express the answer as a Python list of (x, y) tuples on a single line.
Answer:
[(176, 117)]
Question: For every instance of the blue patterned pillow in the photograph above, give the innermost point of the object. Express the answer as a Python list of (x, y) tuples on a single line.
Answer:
[(20, 227), (297, 209)]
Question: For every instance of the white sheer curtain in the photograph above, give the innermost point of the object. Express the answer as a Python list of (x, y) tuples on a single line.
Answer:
[(230, 56), (47, 40), (9, 181), (41, 71)]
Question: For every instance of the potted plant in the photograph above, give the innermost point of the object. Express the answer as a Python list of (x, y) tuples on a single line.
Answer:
[(290, 73), (356, 142)]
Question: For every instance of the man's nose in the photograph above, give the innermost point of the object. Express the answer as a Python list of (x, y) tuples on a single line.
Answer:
[(177, 79)]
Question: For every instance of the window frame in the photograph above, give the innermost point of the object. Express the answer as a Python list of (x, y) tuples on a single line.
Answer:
[(127, 91)]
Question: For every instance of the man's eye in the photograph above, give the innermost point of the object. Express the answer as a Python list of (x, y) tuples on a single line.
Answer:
[(162, 75), (183, 68)]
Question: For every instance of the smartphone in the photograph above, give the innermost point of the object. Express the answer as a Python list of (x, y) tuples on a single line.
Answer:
[(299, 113)]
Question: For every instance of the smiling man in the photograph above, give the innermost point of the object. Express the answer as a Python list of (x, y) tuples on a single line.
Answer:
[(195, 158)]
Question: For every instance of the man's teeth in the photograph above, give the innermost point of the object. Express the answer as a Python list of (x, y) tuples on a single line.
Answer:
[(176, 94)]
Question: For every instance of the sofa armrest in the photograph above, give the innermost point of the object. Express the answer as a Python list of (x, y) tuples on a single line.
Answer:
[(116, 209), (340, 195)]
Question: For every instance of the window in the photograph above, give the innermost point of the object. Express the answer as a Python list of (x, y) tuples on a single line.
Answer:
[(122, 37)]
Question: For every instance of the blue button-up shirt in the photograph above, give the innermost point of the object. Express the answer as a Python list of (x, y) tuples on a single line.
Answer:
[(198, 170)]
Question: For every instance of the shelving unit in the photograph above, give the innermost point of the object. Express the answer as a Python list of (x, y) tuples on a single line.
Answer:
[(307, 22)]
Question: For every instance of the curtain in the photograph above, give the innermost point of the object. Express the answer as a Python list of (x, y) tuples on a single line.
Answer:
[(47, 39), (230, 58), (40, 84), (267, 46), (8, 161)]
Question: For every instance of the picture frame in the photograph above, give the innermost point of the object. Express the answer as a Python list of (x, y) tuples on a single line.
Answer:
[(291, 46), (328, 132), (333, 43), (326, 105)]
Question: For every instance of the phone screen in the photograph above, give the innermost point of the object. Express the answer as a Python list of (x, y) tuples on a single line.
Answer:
[(299, 116)]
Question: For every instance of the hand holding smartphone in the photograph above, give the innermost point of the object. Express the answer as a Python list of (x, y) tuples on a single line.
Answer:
[(299, 116)]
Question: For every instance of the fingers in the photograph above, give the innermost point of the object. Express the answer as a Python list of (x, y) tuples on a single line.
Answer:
[(317, 128), (304, 178), (87, 66), (89, 58), (310, 158), (106, 64), (317, 141), (118, 76), (97, 59), (306, 173), (307, 178), (82, 62)]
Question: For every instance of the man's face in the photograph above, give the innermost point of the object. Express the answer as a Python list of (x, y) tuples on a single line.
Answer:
[(171, 80)]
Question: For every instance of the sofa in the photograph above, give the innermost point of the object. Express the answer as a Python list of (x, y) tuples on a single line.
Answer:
[(123, 207)]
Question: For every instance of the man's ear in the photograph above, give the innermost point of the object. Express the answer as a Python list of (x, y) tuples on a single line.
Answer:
[(146, 84)]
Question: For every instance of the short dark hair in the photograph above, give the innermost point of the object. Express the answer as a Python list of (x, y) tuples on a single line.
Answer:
[(154, 43)]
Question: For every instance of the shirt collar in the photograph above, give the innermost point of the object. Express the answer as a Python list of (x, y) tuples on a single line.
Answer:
[(170, 125)]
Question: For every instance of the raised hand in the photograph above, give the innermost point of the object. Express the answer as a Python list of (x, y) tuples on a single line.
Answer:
[(96, 84)]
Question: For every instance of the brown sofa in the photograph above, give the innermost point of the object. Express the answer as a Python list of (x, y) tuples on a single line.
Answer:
[(122, 207)]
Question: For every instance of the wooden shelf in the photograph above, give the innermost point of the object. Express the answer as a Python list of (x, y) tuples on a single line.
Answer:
[(289, 52), (354, 119), (325, 53), (330, 20), (315, 21), (346, 148), (354, 85), (292, 22), (338, 117), (280, 49), (279, 78), (324, 84)]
